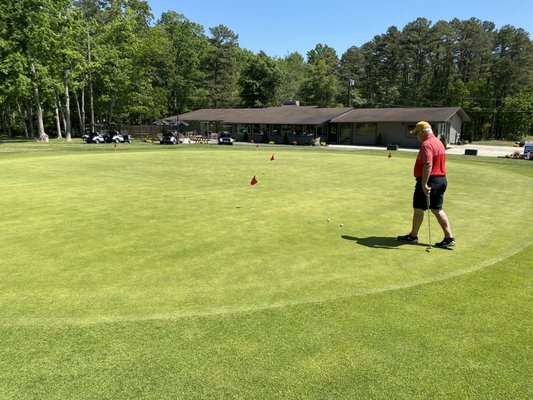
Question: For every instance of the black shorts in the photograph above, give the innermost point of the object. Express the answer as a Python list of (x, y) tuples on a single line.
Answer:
[(438, 185)]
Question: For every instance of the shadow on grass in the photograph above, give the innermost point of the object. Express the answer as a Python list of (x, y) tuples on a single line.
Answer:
[(378, 242)]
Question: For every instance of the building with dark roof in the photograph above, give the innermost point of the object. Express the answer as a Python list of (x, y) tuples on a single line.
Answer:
[(365, 126), (356, 126)]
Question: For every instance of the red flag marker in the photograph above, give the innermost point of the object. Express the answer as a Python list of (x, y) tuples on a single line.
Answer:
[(390, 155), (253, 182), (272, 158)]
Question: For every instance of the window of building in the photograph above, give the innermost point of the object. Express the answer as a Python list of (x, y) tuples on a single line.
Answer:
[(444, 129), (287, 129), (227, 128), (366, 129), (346, 133), (244, 128)]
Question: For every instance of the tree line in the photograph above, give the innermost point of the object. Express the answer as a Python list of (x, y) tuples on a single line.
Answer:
[(66, 65)]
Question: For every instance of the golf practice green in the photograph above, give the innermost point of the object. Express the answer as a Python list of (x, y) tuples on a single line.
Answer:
[(156, 272), (102, 236)]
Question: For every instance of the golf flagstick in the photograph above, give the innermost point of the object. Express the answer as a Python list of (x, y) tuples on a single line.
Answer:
[(253, 182), (253, 202), (429, 222)]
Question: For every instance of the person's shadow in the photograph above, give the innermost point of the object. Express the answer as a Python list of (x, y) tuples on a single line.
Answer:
[(378, 242)]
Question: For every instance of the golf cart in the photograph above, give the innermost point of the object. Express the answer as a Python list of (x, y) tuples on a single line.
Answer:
[(169, 138), (171, 122), (226, 138), (116, 137), (95, 137)]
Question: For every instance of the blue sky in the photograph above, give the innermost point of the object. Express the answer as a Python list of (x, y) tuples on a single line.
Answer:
[(280, 27)]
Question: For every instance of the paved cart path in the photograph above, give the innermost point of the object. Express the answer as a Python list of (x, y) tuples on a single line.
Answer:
[(482, 150)]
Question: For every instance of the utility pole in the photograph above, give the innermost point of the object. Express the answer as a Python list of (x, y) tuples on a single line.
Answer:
[(351, 84), (91, 104)]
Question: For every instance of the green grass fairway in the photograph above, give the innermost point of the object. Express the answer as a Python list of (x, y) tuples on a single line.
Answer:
[(154, 272)]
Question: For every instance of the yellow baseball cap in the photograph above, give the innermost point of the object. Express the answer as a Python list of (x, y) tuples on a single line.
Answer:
[(421, 125)]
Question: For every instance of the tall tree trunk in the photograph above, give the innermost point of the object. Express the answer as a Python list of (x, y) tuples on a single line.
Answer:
[(91, 104), (43, 137), (29, 118), (91, 100), (68, 127), (57, 116), (24, 120), (6, 120), (61, 114), (81, 113), (111, 108)]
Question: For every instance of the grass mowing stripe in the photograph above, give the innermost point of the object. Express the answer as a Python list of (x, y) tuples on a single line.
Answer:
[(272, 305), (461, 338)]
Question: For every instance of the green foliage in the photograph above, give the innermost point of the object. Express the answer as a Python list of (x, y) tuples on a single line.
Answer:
[(518, 115), (119, 66), (260, 80), (319, 86), (293, 69), (181, 61), (222, 65)]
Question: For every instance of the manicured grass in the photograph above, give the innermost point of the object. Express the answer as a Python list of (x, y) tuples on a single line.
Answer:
[(146, 272)]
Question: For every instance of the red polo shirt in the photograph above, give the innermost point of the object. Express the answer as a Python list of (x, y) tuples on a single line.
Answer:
[(432, 152)]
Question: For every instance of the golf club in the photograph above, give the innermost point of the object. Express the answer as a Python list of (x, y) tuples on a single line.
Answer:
[(429, 223)]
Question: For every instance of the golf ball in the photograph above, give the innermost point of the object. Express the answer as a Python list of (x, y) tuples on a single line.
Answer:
[(341, 225), (329, 220)]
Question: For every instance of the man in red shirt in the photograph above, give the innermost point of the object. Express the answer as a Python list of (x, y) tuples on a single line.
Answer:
[(430, 174)]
